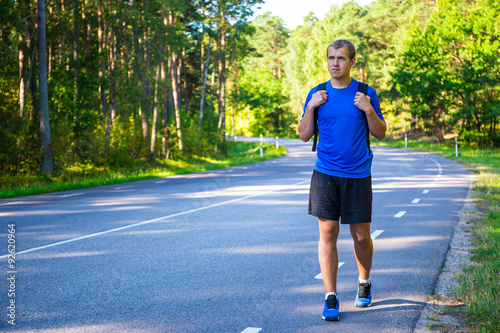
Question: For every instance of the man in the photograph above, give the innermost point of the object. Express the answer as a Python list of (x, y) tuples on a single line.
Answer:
[(341, 181)]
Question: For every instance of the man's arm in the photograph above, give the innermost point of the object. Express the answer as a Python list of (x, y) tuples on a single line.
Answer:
[(376, 126), (306, 125)]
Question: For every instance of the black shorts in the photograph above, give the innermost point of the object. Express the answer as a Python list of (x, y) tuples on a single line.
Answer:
[(334, 198)]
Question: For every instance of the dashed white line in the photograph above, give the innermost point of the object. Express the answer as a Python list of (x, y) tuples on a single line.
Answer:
[(251, 330), (376, 233), (161, 181), (122, 187), (11, 203), (320, 277), (415, 201), (400, 214), (71, 195), (425, 191)]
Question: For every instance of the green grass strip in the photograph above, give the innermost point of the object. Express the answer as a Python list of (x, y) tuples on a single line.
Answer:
[(84, 175)]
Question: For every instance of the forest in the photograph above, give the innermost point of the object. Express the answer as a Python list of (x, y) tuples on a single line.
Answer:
[(120, 83)]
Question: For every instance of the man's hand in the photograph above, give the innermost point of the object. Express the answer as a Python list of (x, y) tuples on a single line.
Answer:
[(318, 98), (306, 126), (362, 102), (376, 126)]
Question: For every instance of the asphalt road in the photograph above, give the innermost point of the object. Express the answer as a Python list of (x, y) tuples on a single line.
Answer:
[(230, 250)]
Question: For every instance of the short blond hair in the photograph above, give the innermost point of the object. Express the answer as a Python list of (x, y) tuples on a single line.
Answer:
[(340, 43)]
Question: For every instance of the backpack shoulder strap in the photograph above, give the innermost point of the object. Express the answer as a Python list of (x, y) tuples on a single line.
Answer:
[(321, 86), (363, 88)]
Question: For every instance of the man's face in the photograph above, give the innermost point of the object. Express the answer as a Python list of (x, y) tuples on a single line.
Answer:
[(339, 64)]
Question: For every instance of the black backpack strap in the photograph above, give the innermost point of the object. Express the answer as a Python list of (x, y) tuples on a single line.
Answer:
[(363, 88), (321, 86)]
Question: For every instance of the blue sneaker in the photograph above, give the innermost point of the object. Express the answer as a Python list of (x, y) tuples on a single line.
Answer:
[(331, 311), (364, 296)]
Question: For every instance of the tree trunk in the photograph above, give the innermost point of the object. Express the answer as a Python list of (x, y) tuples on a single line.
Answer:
[(152, 151), (164, 121), (88, 33), (112, 46), (175, 92), (102, 61), (184, 71), (175, 87), (221, 128), (178, 65), (203, 91), (146, 84), (46, 149), (139, 75), (76, 60), (112, 106), (50, 52), (23, 78)]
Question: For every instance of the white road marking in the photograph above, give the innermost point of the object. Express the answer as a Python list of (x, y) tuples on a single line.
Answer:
[(161, 181), (71, 195), (376, 233), (278, 188), (415, 201), (320, 277), (11, 203), (425, 191), (122, 187), (400, 214), (251, 330)]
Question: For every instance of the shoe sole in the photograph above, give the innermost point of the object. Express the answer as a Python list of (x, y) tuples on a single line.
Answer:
[(331, 318), (362, 305)]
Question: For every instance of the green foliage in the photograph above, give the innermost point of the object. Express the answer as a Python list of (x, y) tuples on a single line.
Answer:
[(449, 70), (434, 65), (259, 95)]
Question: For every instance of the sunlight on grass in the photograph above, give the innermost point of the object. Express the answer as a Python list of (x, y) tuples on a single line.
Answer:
[(85, 175)]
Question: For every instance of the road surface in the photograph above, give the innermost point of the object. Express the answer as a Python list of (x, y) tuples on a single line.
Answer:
[(229, 250)]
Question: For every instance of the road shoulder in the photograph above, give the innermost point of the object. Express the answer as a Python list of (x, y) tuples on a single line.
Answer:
[(441, 313)]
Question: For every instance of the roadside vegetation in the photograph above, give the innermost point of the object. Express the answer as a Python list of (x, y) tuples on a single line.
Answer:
[(88, 175), (479, 283)]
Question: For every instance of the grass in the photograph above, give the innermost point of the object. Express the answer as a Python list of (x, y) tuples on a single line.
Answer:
[(84, 175), (480, 282)]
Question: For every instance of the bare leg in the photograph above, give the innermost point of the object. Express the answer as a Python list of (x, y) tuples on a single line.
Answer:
[(363, 248), (327, 253)]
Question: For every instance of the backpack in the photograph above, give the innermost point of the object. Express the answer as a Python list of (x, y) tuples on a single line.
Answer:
[(363, 88)]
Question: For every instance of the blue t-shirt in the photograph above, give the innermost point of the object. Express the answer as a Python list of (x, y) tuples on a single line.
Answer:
[(343, 149)]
